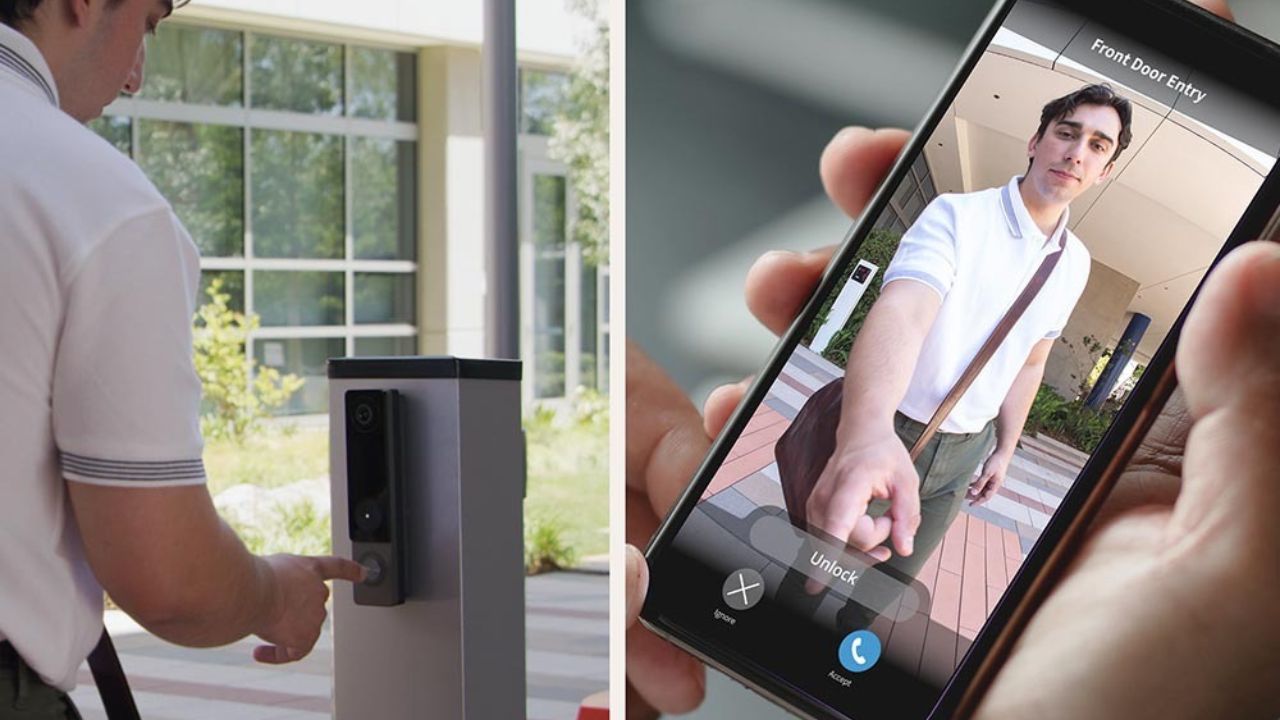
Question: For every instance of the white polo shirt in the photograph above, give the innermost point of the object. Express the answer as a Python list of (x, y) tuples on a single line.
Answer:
[(98, 284), (978, 251)]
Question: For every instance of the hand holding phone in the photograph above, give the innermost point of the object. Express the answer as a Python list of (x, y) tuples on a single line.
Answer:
[(776, 300)]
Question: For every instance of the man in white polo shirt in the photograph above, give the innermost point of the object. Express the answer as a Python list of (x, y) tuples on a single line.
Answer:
[(102, 480), (957, 271)]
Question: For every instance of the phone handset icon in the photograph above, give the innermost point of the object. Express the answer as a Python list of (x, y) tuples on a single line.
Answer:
[(859, 651), (853, 650)]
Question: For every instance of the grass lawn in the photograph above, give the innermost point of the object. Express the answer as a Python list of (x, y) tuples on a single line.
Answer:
[(269, 459), (569, 481), (568, 472)]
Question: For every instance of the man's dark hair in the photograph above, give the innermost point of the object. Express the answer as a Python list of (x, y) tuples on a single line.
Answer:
[(1091, 95), (13, 12)]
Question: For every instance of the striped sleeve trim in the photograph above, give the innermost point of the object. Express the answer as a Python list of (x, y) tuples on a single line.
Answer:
[(80, 467)]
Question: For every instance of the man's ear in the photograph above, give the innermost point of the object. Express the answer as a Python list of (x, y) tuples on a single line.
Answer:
[(1031, 145), (1106, 173), (78, 11)]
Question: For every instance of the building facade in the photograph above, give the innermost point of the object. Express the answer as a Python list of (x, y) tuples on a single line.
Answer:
[(329, 164)]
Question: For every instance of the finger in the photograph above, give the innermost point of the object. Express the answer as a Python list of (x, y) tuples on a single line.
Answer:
[(904, 509), (1154, 474), (987, 493), (641, 522), (1217, 7), (720, 406), (330, 567), (779, 284), (978, 486), (854, 163), (276, 655), (837, 515), (668, 678), (637, 583), (1226, 364), (665, 438), (870, 533)]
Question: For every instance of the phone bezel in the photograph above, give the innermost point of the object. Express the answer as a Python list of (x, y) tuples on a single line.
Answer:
[(1183, 31)]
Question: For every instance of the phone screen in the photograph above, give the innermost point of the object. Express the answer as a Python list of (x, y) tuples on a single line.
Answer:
[(1075, 164)]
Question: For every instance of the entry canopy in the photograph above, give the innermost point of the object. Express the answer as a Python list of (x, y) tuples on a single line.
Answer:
[(1177, 192)]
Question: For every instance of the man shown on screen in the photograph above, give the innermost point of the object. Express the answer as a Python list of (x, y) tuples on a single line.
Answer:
[(956, 273)]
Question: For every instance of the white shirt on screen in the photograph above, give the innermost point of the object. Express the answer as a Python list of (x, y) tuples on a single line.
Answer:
[(98, 284), (978, 251)]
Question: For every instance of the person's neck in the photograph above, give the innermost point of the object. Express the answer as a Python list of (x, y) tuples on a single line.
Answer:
[(1043, 213), (57, 55)]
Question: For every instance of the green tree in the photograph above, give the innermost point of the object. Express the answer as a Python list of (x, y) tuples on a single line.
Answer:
[(581, 136), (238, 395)]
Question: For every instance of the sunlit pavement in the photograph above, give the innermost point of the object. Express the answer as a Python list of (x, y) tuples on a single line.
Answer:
[(567, 629)]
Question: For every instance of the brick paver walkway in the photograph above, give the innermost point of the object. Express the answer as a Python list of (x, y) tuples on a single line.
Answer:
[(567, 629)]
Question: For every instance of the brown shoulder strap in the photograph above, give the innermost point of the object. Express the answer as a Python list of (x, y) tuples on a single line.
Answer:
[(988, 349), (108, 675)]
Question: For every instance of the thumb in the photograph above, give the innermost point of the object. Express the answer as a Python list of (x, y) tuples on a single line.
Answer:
[(1227, 365), (637, 583)]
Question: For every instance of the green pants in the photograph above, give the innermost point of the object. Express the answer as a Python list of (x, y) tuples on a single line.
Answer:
[(946, 468), (24, 696)]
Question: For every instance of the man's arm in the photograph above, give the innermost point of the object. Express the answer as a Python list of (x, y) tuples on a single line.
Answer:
[(168, 560), (1010, 421), (869, 460), (884, 355)]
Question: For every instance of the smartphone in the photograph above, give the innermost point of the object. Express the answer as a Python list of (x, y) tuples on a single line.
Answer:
[(1032, 253)]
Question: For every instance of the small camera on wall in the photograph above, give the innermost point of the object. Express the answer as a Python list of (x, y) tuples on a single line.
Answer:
[(375, 492)]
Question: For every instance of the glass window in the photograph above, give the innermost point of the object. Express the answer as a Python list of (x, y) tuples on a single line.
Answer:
[(200, 170), (115, 129), (306, 358), (232, 284), (903, 194), (297, 195), (588, 359), (384, 298), (196, 65), (383, 203), (386, 346), (297, 75), (930, 191), (604, 365), (549, 285), (913, 207), (604, 335), (921, 168), (383, 84), (298, 298), (541, 94)]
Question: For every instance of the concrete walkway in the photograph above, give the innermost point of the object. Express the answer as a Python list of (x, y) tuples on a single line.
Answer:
[(567, 629)]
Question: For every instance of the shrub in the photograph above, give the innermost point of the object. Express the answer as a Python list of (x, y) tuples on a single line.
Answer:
[(545, 548), (878, 248), (235, 404), (1069, 421), (297, 528)]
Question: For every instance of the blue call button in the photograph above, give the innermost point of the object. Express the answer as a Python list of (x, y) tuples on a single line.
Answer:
[(859, 651)]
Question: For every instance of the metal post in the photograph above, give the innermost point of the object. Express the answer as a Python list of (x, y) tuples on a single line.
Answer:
[(502, 291), (1138, 325)]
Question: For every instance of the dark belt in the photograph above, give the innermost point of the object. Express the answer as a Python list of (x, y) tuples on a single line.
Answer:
[(108, 675)]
